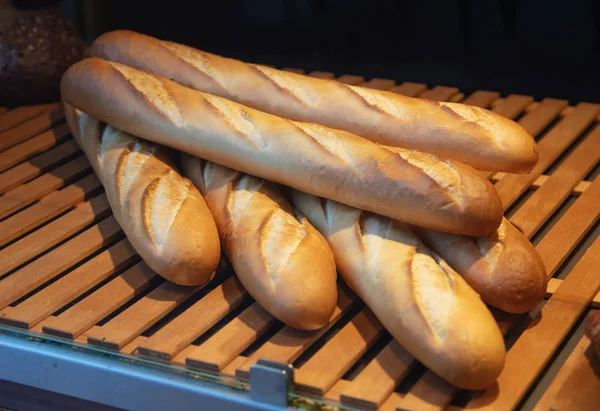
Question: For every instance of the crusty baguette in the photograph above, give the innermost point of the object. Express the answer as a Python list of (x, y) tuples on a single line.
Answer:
[(504, 268), (592, 330), (472, 135), (414, 187), (422, 302), (163, 215), (280, 258)]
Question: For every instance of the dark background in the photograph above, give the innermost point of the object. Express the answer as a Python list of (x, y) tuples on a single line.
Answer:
[(536, 47)]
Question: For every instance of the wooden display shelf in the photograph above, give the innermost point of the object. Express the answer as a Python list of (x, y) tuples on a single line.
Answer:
[(67, 270)]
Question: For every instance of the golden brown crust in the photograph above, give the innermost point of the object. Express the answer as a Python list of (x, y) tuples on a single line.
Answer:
[(421, 301), (504, 268), (283, 262), (472, 135), (345, 168), (163, 215)]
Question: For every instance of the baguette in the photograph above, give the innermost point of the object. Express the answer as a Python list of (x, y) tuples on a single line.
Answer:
[(414, 187), (283, 261), (420, 300), (504, 268), (163, 215), (471, 135)]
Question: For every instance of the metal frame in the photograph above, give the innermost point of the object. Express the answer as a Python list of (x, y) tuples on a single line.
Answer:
[(114, 381)]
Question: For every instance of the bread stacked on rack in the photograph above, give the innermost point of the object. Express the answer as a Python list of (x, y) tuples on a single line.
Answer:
[(304, 176)]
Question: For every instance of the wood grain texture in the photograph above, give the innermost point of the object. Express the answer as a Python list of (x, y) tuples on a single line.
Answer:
[(129, 324), (194, 321), (56, 295), (87, 312), (328, 364), (24, 113), (481, 98), (53, 233), (439, 93), (409, 89), (33, 146), (37, 165), (224, 346), (30, 128)]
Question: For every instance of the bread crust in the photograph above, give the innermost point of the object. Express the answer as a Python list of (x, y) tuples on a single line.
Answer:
[(471, 135), (504, 268), (414, 187), (163, 215), (280, 258), (420, 300)]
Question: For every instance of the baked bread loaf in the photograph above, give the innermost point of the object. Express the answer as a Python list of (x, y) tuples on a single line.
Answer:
[(592, 330), (279, 257), (504, 268), (411, 186), (472, 135), (163, 215), (420, 300)]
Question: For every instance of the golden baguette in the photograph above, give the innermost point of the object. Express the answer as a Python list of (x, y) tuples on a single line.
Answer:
[(415, 187)]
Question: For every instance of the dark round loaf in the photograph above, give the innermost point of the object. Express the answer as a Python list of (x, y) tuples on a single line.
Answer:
[(36, 47)]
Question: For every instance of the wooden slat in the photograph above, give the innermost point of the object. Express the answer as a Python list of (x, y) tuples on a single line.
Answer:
[(379, 84), (58, 294), (536, 345), (351, 80), (36, 166), (322, 74), (50, 265), (391, 403), (554, 283), (576, 386), (33, 146), (558, 243), (538, 208), (409, 89), (53, 233), (511, 106), (550, 147), (577, 190), (439, 93), (481, 98), (127, 325), (429, 393), (336, 357), (3, 110), (30, 128), (87, 312), (195, 321), (47, 208), (370, 388), (27, 193), (24, 113), (223, 347), (288, 343)]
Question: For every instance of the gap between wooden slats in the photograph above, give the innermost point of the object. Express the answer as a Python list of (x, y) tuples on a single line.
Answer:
[(56, 295), (24, 113), (27, 193), (30, 128), (37, 165), (53, 233), (33, 146), (50, 265), (84, 314), (48, 207), (195, 321)]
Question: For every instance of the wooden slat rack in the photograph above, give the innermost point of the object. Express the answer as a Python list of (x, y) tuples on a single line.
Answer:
[(67, 271)]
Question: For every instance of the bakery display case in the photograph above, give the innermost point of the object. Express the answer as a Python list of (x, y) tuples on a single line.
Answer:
[(368, 261), (84, 317)]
